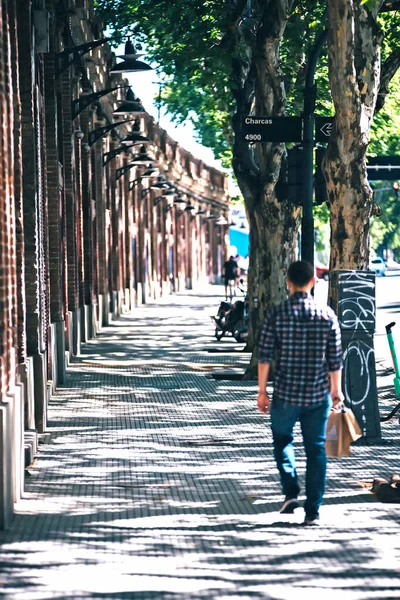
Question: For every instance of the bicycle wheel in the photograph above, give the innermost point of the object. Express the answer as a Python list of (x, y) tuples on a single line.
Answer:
[(231, 290), (219, 333)]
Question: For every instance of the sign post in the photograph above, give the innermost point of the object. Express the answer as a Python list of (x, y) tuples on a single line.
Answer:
[(307, 222)]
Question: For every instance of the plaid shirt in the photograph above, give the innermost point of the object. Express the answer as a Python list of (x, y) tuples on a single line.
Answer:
[(305, 341)]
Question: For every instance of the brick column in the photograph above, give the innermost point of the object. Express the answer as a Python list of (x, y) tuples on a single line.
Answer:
[(100, 224), (108, 296), (17, 180), (87, 233), (96, 167), (128, 222), (11, 420), (140, 246), (55, 211), (73, 320), (36, 333), (41, 136), (114, 238), (121, 239), (135, 243), (189, 250)]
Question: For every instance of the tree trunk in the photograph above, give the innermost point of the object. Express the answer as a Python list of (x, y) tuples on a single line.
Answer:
[(354, 71), (259, 89), (273, 243)]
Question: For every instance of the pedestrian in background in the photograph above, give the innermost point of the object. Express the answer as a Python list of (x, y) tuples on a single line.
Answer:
[(304, 340), (231, 273)]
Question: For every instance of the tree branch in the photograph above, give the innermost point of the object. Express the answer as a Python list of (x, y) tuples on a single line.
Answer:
[(389, 70), (235, 14)]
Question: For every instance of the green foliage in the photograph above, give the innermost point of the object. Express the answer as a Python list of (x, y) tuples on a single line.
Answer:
[(370, 3), (385, 139), (385, 230), (183, 39), (188, 41), (321, 228)]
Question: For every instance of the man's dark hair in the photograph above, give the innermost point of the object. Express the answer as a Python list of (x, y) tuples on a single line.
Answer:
[(300, 272)]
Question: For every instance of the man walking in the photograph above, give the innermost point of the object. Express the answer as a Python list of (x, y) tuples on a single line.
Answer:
[(304, 340), (230, 274)]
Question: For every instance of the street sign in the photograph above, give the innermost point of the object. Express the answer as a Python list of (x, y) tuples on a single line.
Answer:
[(272, 129), (323, 128)]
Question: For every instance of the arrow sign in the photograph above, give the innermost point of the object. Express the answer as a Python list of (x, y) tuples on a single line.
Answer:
[(323, 128), (326, 129)]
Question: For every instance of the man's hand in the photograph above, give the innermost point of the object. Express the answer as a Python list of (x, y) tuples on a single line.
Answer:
[(263, 402), (337, 398), (335, 388)]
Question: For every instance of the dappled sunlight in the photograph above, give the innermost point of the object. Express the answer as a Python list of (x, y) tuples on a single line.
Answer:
[(159, 482)]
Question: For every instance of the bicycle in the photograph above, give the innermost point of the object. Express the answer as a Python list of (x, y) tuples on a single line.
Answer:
[(232, 289)]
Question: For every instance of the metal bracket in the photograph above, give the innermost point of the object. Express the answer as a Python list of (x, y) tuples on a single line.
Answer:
[(96, 134), (122, 170), (79, 104), (107, 156), (64, 59)]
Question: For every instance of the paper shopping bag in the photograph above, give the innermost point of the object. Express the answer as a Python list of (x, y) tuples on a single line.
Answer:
[(341, 430), (351, 423), (334, 436)]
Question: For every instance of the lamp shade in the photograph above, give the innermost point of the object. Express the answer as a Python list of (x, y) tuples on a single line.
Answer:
[(135, 138), (143, 158), (129, 51), (135, 135), (130, 63), (130, 66), (179, 199), (160, 184), (130, 105), (150, 172)]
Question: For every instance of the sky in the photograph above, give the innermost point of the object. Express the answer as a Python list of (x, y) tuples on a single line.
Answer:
[(145, 87)]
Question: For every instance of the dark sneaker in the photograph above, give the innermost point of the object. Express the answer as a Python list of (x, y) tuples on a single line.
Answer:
[(311, 521), (289, 506)]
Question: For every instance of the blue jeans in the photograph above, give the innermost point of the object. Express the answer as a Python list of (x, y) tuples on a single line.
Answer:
[(313, 420)]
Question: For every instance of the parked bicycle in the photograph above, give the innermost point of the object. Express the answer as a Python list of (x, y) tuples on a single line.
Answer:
[(232, 318), (396, 367)]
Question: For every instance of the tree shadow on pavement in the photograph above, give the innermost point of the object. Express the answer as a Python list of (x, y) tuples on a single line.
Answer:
[(159, 482)]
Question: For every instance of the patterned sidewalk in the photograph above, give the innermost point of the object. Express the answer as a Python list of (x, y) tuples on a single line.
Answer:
[(157, 482)]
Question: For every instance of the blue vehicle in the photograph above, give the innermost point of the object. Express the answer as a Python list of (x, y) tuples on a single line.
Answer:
[(378, 265)]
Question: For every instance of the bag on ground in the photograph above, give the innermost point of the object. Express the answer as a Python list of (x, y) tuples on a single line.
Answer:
[(341, 430)]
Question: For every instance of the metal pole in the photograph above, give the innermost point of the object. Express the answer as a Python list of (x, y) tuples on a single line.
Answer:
[(307, 223)]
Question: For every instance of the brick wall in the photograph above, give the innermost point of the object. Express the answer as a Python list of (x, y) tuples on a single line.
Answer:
[(8, 262), (78, 246)]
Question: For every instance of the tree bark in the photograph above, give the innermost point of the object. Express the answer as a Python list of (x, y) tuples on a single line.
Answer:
[(354, 71), (259, 89), (273, 243)]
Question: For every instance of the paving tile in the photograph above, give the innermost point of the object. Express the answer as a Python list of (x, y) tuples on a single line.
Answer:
[(158, 482)]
